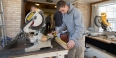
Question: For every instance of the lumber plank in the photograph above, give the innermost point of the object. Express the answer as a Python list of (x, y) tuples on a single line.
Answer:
[(62, 43)]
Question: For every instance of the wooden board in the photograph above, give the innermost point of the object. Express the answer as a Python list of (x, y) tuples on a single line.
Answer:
[(62, 43), (114, 40)]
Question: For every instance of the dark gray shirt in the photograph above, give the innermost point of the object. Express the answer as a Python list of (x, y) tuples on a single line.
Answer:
[(58, 19), (48, 19)]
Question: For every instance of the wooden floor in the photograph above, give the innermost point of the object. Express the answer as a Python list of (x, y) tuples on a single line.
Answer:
[(97, 53)]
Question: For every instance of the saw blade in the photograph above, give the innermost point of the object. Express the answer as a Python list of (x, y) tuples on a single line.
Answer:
[(97, 21)]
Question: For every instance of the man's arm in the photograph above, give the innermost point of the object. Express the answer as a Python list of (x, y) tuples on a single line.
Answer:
[(63, 27), (79, 28)]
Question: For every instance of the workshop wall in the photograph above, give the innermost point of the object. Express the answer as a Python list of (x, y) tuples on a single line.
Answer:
[(12, 13), (85, 9)]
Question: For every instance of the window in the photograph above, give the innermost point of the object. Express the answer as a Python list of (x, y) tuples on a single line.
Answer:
[(110, 10)]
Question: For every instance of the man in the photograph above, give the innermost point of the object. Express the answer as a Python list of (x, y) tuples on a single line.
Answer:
[(48, 24), (58, 20), (34, 8), (73, 22)]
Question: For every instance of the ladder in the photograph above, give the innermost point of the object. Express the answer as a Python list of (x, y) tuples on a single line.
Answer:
[(3, 40)]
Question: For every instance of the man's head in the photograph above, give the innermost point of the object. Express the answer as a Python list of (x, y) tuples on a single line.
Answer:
[(33, 8), (62, 6)]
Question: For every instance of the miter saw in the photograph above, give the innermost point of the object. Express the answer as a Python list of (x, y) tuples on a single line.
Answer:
[(101, 21), (34, 31), (35, 27)]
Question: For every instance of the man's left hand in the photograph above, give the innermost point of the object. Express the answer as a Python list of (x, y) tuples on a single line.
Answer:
[(71, 44)]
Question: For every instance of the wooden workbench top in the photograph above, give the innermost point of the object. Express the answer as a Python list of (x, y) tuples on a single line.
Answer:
[(19, 50), (103, 39)]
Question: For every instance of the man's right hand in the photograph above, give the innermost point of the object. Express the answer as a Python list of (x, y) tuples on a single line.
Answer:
[(55, 33), (71, 44)]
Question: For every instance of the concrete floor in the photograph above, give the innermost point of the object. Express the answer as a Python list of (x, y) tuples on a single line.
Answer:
[(94, 52)]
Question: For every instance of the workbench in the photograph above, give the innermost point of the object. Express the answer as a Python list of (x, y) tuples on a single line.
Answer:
[(18, 52), (103, 43)]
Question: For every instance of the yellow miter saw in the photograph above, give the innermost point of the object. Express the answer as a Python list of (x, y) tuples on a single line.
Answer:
[(35, 27), (101, 21)]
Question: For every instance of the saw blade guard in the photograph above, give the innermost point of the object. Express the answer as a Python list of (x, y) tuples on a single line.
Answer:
[(36, 21)]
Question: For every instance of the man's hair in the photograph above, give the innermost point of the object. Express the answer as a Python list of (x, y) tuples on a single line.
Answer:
[(60, 4), (34, 6)]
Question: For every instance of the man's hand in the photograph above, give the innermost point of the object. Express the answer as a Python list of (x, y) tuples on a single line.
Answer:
[(55, 33), (71, 44)]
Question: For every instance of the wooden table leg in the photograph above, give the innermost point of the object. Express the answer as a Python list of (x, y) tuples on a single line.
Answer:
[(60, 56)]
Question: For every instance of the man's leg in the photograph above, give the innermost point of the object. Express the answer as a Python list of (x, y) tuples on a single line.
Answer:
[(72, 53), (79, 52), (80, 48), (47, 27)]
